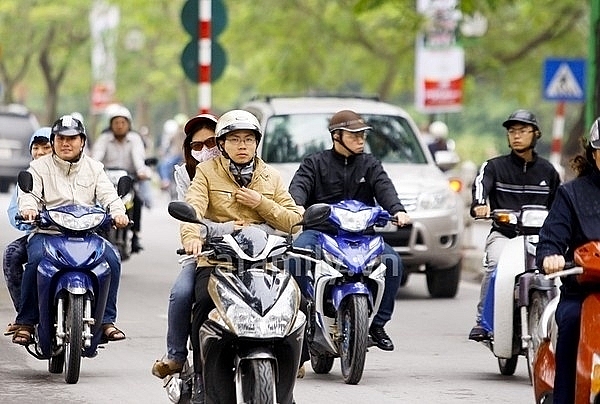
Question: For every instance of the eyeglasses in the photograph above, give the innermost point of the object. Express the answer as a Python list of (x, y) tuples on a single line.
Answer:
[(198, 145), (522, 131), (237, 141)]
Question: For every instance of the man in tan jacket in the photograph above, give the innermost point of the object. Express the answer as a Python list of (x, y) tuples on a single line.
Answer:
[(236, 186)]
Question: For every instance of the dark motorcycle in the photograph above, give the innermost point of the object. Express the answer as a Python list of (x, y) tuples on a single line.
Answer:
[(251, 343), (121, 238)]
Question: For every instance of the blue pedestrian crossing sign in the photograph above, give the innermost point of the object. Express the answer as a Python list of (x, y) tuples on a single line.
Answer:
[(564, 79)]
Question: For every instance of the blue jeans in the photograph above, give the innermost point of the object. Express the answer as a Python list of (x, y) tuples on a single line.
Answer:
[(15, 256), (391, 259), (180, 313), (29, 314), (568, 316)]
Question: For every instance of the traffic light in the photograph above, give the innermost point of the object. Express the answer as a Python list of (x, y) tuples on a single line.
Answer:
[(190, 19)]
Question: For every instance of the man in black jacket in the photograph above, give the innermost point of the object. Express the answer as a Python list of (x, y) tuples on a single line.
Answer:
[(346, 172), (509, 182)]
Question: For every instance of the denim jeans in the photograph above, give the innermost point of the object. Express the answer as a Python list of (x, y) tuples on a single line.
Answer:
[(180, 312), (303, 274), (29, 314), (15, 256)]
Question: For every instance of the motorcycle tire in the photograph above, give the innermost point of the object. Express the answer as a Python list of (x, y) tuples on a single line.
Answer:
[(73, 338), (56, 363), (508, 366), (537, 303), (353, 323), (258, 382)]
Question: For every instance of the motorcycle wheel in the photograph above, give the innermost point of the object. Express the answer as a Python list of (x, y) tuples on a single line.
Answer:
[(537, 303), (508, 366), (353, 324), (73, 338), (258, 382), (321, 363)]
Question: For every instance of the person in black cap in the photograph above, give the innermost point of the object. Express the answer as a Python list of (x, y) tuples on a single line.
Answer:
[(346, 172), (509, 182), (573, 220)]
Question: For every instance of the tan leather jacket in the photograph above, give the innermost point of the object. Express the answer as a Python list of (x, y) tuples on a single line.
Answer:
[(212, 195)]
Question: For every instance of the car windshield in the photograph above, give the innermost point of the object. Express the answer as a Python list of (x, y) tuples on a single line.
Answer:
[(290, 138)]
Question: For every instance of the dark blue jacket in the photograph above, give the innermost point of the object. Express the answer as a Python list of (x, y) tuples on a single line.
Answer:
[(573, 220)]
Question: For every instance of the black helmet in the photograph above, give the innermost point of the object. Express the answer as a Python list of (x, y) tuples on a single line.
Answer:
[(522, 116), (67, 125)]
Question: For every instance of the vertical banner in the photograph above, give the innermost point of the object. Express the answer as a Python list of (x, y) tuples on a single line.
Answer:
[(104, 20), (439, 60)]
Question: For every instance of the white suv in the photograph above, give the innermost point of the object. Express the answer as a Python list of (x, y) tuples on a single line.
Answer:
[(297, 126)]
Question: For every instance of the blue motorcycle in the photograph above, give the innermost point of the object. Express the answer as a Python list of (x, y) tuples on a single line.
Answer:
[(347, 283), (73, 283)]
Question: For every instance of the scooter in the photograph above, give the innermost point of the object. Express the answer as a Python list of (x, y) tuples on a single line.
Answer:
[(587, 388), (520, 291), (73, 283), (347, 286), (251, 343), (121, 238)]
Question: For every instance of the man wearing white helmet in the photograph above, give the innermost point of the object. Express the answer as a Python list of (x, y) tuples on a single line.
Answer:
[(120, 147), (236, 186), (439, 131)]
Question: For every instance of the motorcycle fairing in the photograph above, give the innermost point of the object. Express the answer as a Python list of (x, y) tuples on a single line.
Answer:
[(588, 356), (355, 251), (77, 266)]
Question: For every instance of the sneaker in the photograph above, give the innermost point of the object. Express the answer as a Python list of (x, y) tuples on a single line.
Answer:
[(478, 333), (380, 338), (135, 244)]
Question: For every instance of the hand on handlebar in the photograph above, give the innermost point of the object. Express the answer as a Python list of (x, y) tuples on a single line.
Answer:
[(553, 263), (120, 221), (29, 215), (193, 247), (481, 212), (402, 219)]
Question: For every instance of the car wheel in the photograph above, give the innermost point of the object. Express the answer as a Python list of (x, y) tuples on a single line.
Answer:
[(443, 283)]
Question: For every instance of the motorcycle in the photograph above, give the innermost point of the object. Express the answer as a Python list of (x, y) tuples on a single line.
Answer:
[(520, 292), (587, 388), (121, 238), (250, 345), (347, 285), (73, 283)]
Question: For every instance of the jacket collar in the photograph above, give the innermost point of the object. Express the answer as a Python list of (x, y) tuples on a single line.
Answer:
[(340, 157)]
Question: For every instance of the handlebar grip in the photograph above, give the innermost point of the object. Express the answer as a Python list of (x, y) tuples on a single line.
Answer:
[(181, 251)]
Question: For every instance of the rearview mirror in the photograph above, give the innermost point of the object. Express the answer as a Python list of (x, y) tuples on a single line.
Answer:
[(316, 215), (124, 185), (25, 181), (183, 211)]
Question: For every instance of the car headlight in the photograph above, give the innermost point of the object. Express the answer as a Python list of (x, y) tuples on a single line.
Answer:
[(71, 222), (437, 199), (242, 320)]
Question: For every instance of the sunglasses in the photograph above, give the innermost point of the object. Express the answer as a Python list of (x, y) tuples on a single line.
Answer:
[(210, 143)]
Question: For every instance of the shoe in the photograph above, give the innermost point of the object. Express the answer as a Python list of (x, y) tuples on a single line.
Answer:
[(198, 390), (135, 244), (301, 372), (111, 333), (23, 335), (380, 338), (478, 333), (165, 367), (11, 328)]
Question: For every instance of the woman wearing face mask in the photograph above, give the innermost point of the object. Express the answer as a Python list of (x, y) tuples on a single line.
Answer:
[(199, 145)]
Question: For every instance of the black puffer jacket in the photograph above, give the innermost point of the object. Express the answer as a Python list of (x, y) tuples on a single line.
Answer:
[(329, 177)]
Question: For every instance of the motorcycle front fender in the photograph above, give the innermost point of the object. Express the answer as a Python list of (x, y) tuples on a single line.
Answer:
[(339, 292)]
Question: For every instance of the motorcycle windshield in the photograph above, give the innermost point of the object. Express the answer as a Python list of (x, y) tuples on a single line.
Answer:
[(251, 240)]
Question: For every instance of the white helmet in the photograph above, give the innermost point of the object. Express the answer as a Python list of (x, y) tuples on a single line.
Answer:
[(438, 129), (237, 119), (116, 110), (170, 127)]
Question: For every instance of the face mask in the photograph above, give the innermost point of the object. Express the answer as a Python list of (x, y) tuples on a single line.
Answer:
[(205, 154)]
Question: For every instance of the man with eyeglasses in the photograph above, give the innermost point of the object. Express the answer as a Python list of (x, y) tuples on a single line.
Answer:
[(510, 181), (346, 172)]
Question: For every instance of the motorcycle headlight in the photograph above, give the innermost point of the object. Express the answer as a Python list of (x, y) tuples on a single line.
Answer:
[(243, 321), (437, 199), (533, 218), (71, 222), (353, 221)]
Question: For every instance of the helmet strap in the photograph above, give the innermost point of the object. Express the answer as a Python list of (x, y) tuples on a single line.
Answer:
[(340, 141)]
